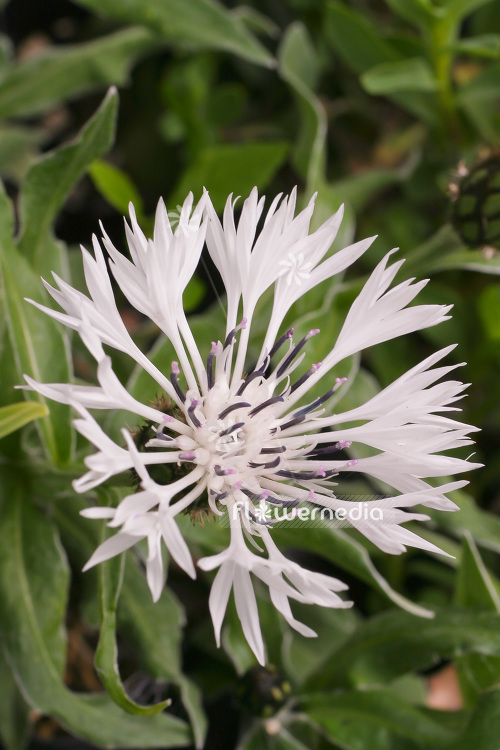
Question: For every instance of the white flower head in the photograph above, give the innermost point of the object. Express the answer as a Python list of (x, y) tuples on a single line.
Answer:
[(236, 441)]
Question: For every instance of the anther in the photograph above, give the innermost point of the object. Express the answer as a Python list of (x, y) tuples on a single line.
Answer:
[(321, 399), (230, 336), (279, 343), (231, 429), (265, 404), (210, 364), (280, 449), (296, 349), (223, 472), (269, 465), (257, 519), (306, 376), (192, 416), (161, 436), (174, 379), (255, 374), (238, 405), (293, 422), (306, 475)]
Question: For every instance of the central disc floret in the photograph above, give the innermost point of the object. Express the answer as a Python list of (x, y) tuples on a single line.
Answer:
[(243, 435)]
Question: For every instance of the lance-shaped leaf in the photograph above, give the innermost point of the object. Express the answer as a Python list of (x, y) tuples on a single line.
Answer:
[(14, 711), (204, 23), (15, 416), (33, 85), (50, 180), (384, 717), (34, 579), (153, 629), (110, 576), (395, 643), (475, 587), (343, 550), (38, 345), (298, 66)]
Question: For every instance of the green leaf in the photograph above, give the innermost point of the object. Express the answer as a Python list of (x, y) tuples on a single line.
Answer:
[(15, 416), (117, 188), (34, 579), (414, 74), (17, 149), (14, 711), (395, 643), (481, 261), (488, 306), (476, 588), (38, 83), (242, 166), (461, 8), (154, 629), (301, 657), (484, 527), (482, 88), (38, 345), (421, 13), (50, 179), (260, 739), (194, 293), (110, 575), (298, 66), (483, 728), (383, 716), (204, 23), (361, 46), (356, 39), (342, 549), (486, 45)]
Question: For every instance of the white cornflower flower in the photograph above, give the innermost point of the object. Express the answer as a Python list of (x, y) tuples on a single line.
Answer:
[(231, 439)]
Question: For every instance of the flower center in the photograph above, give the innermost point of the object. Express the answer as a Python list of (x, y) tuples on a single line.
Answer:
[(241, 434)]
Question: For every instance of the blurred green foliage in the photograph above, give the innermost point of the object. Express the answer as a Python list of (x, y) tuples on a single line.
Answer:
[(386, 106)]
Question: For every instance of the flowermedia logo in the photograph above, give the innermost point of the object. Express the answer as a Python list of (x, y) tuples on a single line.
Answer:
[(347, 513)]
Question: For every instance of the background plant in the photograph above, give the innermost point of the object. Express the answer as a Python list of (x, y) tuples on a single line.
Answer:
[(371, 103)]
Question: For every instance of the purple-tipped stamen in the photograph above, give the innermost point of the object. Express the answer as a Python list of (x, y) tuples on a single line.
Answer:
[(296, 420), (223, 472), (192, 416), (229, 430), (265, 404), (174, 379), (296, 349), (305, 376), (280, 449), (210, 364), (253, 495), (187, 456), (255, 374), (269, 465), (230, 336), (281, 502), (321, 399), (279, 343), (238, 405), (306, 475), (258, 520), (219, 495), (331, 448), (161, 436)]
